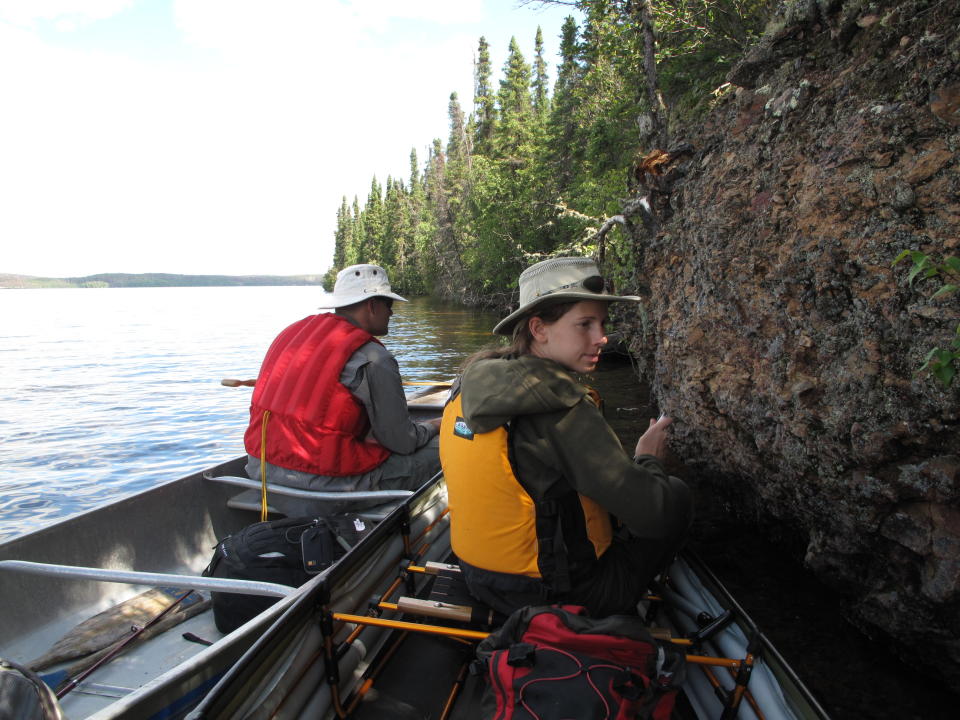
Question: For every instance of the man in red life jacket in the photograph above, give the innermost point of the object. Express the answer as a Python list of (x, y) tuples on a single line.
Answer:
[(330, 396)]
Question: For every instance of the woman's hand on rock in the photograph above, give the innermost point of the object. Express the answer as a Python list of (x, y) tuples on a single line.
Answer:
[(654, 440)]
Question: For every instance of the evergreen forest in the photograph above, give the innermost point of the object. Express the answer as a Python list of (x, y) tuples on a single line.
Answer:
[(536, 166)]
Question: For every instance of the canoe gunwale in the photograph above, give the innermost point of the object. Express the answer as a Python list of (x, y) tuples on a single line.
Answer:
[(182, 582), (769, 652)]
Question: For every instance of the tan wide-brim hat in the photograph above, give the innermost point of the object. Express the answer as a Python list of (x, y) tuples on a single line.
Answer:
[(357, 283), (557, 279)]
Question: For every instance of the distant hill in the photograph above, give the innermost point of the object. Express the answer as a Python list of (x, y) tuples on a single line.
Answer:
[(115, 280)]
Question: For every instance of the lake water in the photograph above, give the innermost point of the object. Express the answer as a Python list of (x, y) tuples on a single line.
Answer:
[(104, 392)]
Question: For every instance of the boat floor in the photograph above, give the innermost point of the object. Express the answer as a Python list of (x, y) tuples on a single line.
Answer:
[(417, 681)]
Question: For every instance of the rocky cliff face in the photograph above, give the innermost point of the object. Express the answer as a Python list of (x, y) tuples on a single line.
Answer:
[(780, 337)]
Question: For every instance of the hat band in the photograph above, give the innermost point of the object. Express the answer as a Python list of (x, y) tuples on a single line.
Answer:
[(593, 284)]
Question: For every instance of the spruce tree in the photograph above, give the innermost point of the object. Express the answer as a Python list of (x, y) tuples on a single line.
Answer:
[(562, 151), (449, 256), (344, 235), (356, 252), (397, 232), (341, 242), (456, 179), (459, 146), (374, 224), (422, 253), (483, 98), (607, 101), (414, 170), (514, 104), (540, 79)]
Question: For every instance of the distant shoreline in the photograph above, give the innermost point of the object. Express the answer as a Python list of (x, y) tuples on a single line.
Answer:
[(120, 280)]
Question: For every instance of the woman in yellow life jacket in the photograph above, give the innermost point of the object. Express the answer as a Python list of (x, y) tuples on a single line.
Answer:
[(534, 472)]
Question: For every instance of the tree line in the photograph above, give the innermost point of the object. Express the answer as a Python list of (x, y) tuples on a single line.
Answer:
[(532, 170)]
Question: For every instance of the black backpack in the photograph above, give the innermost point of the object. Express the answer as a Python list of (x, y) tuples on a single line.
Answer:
[(288, 551), (555, 662)]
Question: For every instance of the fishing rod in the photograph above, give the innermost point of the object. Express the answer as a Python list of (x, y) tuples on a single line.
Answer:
[(231, 382), (119, 647)]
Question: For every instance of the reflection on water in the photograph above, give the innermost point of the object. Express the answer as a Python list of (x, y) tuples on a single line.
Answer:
[(431, 339), (108, 391)]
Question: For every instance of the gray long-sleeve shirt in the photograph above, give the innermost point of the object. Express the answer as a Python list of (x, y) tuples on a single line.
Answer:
[(373, 376)]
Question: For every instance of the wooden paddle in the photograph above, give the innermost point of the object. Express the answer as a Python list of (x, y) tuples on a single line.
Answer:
[(135, 633), (60, 678), (113, 624)]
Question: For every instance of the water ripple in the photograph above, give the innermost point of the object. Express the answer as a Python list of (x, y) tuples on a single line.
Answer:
[(103, 402)]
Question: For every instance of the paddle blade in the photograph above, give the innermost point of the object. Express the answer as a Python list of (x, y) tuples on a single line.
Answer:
[(196, 604)]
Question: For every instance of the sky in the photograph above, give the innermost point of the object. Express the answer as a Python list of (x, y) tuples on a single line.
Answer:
[(219, 136)]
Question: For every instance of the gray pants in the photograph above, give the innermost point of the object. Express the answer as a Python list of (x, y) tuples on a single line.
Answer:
[(397, 472)]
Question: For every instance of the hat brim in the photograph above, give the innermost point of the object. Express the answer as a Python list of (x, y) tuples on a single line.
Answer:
[(505, 326), (339, 301)]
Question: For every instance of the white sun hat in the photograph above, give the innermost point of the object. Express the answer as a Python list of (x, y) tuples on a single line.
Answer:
[(357, 283), (562, 278)]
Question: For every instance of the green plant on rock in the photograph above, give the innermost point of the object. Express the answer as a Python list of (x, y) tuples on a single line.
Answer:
[(941, 362)]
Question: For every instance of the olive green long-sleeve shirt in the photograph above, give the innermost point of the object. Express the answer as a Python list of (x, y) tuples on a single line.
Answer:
[(561, 438)]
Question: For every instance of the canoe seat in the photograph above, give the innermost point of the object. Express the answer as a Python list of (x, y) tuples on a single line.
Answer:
[(373, 505), (249, 500)]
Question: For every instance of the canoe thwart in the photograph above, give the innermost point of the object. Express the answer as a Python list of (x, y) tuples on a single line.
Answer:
[(186, 582), (249, 500), (437, 568), (446, 611)]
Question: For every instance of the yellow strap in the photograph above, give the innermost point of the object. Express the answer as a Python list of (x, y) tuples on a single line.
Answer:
[(263, 466)]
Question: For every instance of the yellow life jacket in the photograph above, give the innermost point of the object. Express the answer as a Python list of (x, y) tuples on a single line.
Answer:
[(495, 522)]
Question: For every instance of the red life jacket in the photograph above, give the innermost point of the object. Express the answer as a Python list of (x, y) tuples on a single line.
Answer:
[(316, 425)]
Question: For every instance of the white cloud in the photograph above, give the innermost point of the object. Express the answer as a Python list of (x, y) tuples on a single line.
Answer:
[(439, 11), (231, 152), (308, 26), (26, 12)]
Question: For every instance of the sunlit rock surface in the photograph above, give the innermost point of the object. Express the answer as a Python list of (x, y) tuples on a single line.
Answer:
[(778, 334)]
